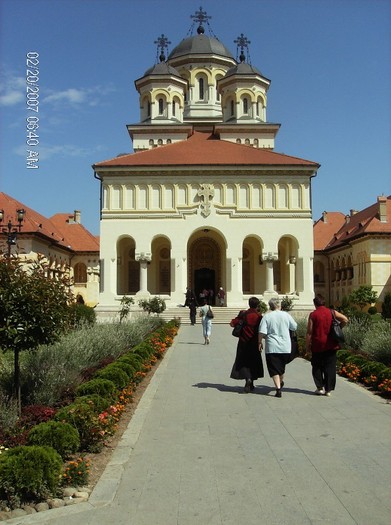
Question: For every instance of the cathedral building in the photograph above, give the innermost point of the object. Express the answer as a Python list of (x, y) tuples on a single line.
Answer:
[(205, 201)]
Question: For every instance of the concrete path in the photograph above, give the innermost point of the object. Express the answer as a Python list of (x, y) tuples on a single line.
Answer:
[(200, 452)]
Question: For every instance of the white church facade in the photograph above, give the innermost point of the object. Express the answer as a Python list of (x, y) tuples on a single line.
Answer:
[(205, 201)]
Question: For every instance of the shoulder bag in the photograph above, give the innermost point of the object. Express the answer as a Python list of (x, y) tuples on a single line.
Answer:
[(209, 313), (336, 332)]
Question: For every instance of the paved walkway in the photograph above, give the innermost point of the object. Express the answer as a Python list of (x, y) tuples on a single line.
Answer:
[(199, 452)]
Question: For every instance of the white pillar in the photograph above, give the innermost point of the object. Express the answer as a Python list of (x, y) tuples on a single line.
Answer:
[(144, 259), (292, 274), (269, 258)]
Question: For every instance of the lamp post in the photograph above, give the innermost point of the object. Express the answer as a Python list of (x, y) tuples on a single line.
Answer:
[(11, 230)]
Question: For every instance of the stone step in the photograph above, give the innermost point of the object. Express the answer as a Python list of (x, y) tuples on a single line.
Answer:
[(222, 315)]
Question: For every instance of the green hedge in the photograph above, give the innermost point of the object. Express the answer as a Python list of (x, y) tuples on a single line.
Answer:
[(29, 473)]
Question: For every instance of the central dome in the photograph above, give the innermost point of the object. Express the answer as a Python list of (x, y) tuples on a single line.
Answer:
[(200, 45)]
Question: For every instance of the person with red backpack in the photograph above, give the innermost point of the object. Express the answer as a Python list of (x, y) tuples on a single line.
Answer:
[(248, 363)]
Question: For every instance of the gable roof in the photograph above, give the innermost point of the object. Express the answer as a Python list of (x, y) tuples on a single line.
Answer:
[(339, 230), (58, 229), (202, 149)]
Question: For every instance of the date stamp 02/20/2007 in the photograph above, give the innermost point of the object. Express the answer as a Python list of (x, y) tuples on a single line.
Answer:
[(32, 104)]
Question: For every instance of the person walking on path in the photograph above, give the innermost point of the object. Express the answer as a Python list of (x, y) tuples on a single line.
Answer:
[(274, 328), (206, 321), (248, 363), (322, 346), (193, 308)]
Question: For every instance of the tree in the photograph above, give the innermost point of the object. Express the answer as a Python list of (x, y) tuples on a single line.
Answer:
[(386, 306), (154, 305), (362, 296), (34, 309)]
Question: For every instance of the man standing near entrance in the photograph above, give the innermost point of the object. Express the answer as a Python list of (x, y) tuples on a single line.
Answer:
[(221, 296)]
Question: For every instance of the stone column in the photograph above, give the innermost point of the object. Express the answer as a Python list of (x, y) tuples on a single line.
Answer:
[(144, 259), (292, 274), (269, 258)]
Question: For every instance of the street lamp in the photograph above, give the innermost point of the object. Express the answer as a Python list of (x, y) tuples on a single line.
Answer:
[(12, 230)]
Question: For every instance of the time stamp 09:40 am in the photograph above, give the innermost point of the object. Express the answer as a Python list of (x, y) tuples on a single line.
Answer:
[(32, 103)]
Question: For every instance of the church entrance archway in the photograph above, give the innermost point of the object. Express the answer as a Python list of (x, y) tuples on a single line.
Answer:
[(206, 256)]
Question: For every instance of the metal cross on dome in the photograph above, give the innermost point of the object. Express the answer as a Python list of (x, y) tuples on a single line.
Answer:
[(200, 16), (162, 42), (242, 42)]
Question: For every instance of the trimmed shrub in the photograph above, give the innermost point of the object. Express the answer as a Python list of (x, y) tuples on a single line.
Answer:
[(63, 437), (372, 310), (114, 374), (96, 401), (29, 473), (101, 386), (125, 367), (85, 419)]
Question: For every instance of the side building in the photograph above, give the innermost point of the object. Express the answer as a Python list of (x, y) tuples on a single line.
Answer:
[(61, 241), (353, 250)]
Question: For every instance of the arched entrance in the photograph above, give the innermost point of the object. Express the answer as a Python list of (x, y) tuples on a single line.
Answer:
[(206, 257)]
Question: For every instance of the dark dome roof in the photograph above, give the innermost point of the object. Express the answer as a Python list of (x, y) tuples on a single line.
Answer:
[(162, 68), (243, 69), (200, 45)]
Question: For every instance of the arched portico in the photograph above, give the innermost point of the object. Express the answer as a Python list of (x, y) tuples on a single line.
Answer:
[(206, 261)]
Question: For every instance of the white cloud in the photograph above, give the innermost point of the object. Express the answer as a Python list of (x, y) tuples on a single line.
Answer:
[(73, 96), (87, 96), (12, 90), (58, 151)]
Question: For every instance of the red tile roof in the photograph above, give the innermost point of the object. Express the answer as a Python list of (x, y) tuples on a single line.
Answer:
[(58, 229), (326, 227), (340, 229), (205, 149)]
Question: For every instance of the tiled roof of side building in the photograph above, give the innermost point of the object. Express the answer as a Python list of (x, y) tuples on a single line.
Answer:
[(76, 235), (205, 149), (56, 230), (334, 229)]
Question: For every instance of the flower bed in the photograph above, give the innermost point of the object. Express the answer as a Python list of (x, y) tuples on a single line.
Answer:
[(94, 414)]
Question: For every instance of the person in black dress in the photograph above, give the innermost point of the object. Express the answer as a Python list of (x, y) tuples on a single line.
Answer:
[(248, 364)]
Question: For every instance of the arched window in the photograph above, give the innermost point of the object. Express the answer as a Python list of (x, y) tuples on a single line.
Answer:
[(245, 106), (161, 106), (174, 108), (80, 273), (201, 89), (232, 108), (149, 109)]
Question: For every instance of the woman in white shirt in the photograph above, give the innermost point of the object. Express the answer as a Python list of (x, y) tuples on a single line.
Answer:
[(274, 328)]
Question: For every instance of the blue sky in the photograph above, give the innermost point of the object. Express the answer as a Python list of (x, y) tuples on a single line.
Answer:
[(328, 61)]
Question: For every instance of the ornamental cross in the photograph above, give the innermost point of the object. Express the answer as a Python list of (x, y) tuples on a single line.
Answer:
[(200, 16), (206, 192), (242, 42), (162, 42)]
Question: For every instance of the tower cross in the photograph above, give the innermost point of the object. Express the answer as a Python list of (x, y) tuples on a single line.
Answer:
[(200, 16), (162, 42)]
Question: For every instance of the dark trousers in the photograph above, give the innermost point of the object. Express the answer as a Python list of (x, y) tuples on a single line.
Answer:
[(324, 369)]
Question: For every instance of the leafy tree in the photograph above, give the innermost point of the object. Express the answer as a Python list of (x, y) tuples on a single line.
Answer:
[(154, 305), (34, 309), (286, 304), (386, 306), (126, 302), (362, 296)]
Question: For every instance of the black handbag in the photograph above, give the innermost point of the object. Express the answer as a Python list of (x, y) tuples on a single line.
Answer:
[(336, 332), (294, 346), (238, 328), (209, 313)]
